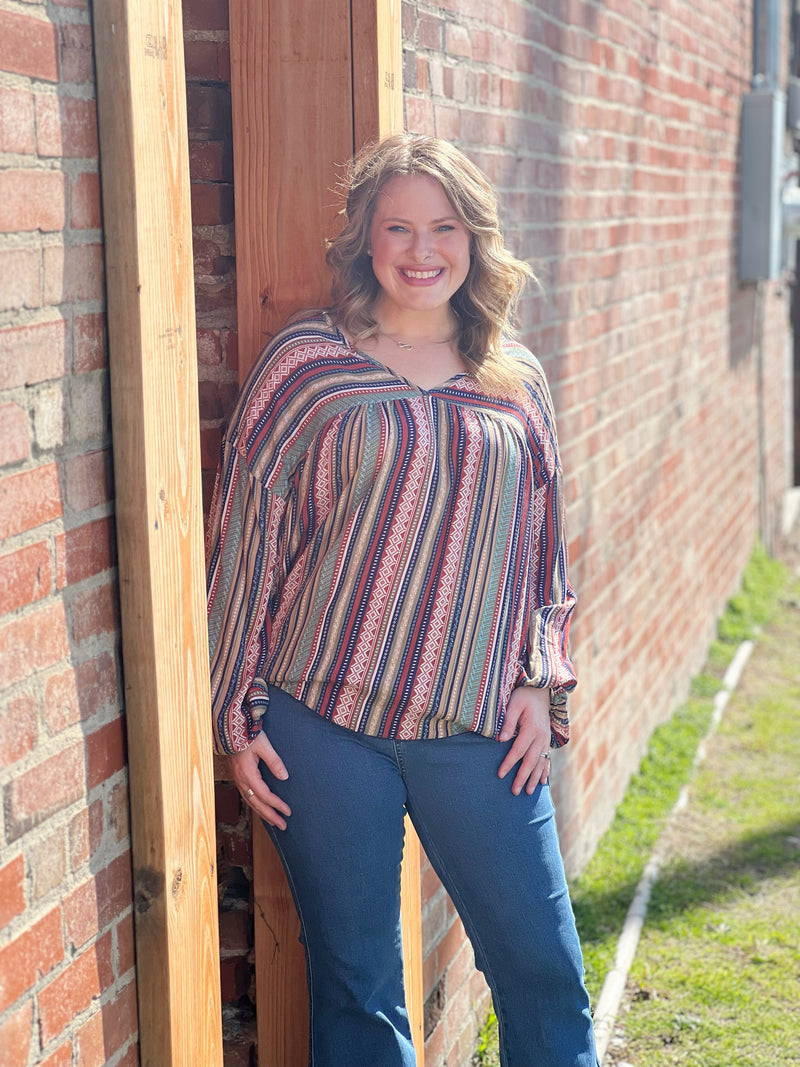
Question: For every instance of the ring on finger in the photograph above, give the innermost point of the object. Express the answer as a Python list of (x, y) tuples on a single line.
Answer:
[(544, 755), (250, 793)]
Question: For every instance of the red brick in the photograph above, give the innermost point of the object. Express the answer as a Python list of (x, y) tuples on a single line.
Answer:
[(126, 952), (14, 433), (95, 612), (97, 685), (85, 204), (235, 932), (42, 791), (25, 576), (60, 703), (32, 642), (31, 354), (90, 549), (12, 890), (120, 1020), (66, 127), (81, 919), (89, 342), (212, 204), (28, 46), (90, 1044), (206, 60), (235, 974), (85, 834), (33, 954), (15, 1037), (46, 862), (209, 351), (18, 730), (77, 56), (105, 753), (210, 161), (114, 890), (32, 199), (29, 499), (17, 128), (21, 270), (208, 110), (88, 479), (62, 1057), (205, 15), (70, 993), (72, 273)]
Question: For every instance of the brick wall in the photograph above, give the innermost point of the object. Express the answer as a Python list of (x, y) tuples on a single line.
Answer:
[(67, 989), (611, 131)]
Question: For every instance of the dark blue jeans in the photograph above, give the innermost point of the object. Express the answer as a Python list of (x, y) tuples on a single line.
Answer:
[(496, 854)]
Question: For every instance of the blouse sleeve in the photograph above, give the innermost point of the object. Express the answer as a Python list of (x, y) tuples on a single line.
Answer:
[(547, 663), (242, 555)]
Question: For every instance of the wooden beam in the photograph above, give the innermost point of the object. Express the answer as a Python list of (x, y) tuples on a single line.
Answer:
[(150, 284), (377, 70)]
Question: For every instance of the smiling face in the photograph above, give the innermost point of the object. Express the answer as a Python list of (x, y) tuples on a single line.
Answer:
[(420, 250)]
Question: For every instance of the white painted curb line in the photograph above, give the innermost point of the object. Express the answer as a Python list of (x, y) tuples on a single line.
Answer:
[(605, 1015)]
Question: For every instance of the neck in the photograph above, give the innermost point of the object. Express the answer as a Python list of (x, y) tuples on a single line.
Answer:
[(417, 327)]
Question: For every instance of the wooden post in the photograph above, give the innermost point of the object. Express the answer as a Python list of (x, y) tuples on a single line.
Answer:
[(150, 283), (310, 83)]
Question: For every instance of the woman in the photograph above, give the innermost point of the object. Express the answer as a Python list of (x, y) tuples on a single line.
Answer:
[(388, 613)]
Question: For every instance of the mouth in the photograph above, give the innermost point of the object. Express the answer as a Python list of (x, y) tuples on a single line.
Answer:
[(421, 275)]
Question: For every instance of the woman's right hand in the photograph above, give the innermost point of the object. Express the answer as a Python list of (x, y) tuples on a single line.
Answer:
[(255, 791)]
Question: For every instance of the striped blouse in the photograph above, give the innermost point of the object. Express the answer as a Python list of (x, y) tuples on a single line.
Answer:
[(392, 557)]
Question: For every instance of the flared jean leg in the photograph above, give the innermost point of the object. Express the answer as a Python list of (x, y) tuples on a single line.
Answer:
[(342, 850), (498, 856)]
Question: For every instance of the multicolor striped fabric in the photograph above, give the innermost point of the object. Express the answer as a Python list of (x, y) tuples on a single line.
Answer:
[(392, 557)]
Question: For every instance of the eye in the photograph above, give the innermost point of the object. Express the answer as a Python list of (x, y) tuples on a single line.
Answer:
[(397, 228), (445, 227)]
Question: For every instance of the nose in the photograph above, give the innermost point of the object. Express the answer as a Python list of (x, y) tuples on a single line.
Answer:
[(422, 247)]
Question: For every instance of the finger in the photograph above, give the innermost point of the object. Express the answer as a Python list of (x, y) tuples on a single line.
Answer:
[(522, 744), (263, 747), (266, 804), (512, 717)]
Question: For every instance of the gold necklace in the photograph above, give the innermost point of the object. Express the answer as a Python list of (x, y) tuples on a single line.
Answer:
[(405, 344)]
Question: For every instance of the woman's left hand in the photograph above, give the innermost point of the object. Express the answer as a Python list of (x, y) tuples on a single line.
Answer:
[(527, 715)]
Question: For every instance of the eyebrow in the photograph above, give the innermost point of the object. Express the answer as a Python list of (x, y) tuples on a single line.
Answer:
[(445, 218)]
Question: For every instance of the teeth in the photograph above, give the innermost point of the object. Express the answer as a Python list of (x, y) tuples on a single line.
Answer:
[(422, 273)]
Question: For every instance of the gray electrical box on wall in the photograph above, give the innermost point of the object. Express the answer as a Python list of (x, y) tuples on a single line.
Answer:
[(760, 219)]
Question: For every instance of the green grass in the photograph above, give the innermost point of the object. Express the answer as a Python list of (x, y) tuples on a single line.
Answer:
[(602, 894), (716, 980)]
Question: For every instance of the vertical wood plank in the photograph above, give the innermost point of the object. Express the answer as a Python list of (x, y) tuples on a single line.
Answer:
[(377, 70), (292, 126), (150, 285)]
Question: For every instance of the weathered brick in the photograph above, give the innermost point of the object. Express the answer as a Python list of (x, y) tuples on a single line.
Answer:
[(94, 612), (66, 127), (71, 992), (31, 955), (25, 576), (205, 15), (12, 891), (31, 354), (85, 834), (18, 730), (90, 549), (105, 753), (76, 52), (17, 128), (60, 704), (21, 271), (16, 1035), (89, 342), (85, 205), (88, 479), (29, 499), (38, 793), (28, 45), (32, 199), (47, 862), (31, 642), (73, 273)]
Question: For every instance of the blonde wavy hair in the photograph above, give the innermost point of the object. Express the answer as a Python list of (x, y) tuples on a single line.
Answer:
[(486, 302)]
